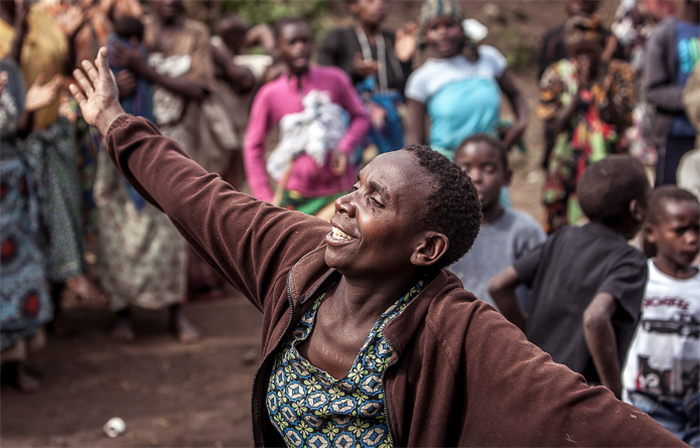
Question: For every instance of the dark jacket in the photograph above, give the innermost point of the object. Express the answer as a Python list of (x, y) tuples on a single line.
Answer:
[(341, 45), (659, 80), (461, 373)]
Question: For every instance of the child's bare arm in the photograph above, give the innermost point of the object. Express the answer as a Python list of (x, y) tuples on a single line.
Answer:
[(502, 289), (600, 339)]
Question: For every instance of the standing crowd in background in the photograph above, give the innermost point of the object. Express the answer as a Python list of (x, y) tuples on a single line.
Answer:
[(607, 281)]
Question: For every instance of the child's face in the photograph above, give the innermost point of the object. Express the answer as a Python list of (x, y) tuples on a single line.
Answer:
[(295, 44), (370, 12), (483, 164), (676, 233), (444, 36)]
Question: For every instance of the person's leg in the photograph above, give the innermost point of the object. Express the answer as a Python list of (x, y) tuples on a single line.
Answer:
[(670, 157), (84, 287), (123, 330), (181, 326), (58, 325), (14, 371)]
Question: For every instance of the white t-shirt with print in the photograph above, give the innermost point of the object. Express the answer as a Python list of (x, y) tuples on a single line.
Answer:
[(664, 357)]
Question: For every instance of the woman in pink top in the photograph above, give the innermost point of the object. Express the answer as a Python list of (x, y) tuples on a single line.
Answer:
[(311, 165)]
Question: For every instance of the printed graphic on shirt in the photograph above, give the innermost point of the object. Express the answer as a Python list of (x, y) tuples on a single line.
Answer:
[(688, 53), (668, 364)]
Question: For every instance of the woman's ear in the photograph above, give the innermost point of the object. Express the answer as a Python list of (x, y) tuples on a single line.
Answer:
[(431, 249)]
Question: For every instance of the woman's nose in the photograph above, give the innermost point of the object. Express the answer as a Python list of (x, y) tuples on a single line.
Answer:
[(346, 204)]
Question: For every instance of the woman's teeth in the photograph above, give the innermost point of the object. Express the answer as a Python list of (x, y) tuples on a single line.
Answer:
[(339, 234)]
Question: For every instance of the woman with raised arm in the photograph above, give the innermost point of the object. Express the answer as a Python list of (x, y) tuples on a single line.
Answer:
[(367, 340)]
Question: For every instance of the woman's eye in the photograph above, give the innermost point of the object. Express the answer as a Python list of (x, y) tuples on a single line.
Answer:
[(376, 202)]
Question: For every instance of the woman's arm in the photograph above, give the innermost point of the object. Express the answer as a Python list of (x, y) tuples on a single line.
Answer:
[(240, 79), (250, 243), (130, 58), (415, 129), (518, 105), (660, 88)]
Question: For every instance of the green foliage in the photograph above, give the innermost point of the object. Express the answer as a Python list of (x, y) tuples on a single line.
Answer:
[(269, 11)]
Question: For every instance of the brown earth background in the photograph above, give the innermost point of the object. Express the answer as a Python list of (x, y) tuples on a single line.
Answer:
[(174, 395)]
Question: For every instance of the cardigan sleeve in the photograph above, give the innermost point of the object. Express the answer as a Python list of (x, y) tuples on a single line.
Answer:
[(659, 84), (516, 395), (249, 242)]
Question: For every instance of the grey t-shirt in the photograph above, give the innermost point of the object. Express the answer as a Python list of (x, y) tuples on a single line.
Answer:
[(498, 245)]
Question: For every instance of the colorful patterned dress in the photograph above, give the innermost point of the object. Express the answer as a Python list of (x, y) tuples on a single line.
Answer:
[(311, 408), (25, 304), (594, 130)]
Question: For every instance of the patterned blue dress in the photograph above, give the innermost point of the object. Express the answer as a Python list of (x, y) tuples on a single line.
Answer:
[(25, 304), (311, 408)]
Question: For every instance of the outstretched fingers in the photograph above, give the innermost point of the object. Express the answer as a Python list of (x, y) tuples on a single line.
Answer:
[(83, 82), (77, 93)]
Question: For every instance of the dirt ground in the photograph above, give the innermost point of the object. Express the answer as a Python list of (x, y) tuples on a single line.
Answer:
[(174, 395)]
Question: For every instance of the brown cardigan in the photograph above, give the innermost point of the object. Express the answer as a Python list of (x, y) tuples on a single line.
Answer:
[(462, 374)]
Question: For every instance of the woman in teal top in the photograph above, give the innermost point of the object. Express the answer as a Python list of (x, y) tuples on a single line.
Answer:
[(459, 86)]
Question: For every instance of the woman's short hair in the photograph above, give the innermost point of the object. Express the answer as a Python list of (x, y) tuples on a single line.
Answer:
[(453, 207)]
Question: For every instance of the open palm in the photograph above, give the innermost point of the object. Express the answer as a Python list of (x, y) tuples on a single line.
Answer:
[(96, 92)]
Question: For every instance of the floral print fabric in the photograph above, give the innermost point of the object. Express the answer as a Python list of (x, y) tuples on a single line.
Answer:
[(594, 130), (311, 408)]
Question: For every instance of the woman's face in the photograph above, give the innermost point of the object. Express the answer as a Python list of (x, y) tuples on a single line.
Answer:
[(370, 12), (444, 36), (587, 53), (374, 227)]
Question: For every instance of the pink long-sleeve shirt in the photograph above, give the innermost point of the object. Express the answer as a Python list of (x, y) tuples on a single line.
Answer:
[(281, 97)]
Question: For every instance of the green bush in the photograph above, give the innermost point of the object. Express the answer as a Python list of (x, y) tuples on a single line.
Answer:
[(269, 11)]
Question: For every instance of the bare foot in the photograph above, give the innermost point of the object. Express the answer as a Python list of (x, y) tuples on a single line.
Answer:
[(123, 331), (86, 289), (183, 328), (26, 382), (16, 374)]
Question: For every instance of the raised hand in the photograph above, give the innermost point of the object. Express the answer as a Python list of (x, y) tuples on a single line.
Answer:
[(96, 92), (405, 45), (363, 68), (41, 94)]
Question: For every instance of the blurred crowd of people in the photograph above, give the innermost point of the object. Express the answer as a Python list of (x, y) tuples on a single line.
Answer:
[(296, 133)]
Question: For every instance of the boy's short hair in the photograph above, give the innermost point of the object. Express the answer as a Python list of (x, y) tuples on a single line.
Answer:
[(607, 187), (664, 194), (453, 207), (284, 21), (490, 140), (129, 26)]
